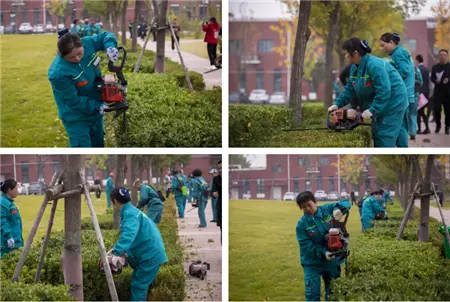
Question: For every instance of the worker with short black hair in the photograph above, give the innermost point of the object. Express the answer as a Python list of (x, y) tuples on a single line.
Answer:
[(311, 229), (141, 240), (11, 222), (370, 208)]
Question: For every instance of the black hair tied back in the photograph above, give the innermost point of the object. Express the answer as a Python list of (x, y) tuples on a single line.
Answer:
[(396, 37), (366, 46), (62, 32)]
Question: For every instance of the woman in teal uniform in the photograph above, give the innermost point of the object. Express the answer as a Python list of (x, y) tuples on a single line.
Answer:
[(72, 75), (380, 91), (11, 222)]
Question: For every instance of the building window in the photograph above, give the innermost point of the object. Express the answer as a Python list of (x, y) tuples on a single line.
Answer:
[(302, 161), (25, 178), (218, 8), (242, 81), (410, 45), (331, 184), (260, 185), (276, 168), (56, 166), (236, 46), (175, 9), (203, 11), (296, 185), (89, 174), (25, 16), (12, 19), (324, 161), (265, 45), (367, 184), (246, 186), (36, 16), (61, 20), (49, 17), (259, 79), (307, 185), (74, 14), (85, 14), (1, 19), (343, 185), (277, 80), (41, 172), (319, 183)]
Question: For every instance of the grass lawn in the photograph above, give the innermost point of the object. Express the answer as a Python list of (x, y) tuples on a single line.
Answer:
[(197, 48), (445, 207), (264, 253), (29, 117), (29, 206)]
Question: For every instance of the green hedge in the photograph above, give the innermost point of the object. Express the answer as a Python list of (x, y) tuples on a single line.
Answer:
[(147, 66), (381, 268), (162, 114), (168, 285), (262, 125)]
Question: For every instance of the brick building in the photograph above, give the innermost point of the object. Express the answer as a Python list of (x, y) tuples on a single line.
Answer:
[(254, 64), (15, 12), (295, 173), (36, 168)]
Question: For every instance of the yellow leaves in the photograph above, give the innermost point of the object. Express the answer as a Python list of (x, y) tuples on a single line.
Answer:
[(351, 167), (442, 33)]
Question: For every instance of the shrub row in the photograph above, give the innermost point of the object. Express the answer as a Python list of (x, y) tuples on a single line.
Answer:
[(168, 285), (162, 114), (262, 126), (381, 268)]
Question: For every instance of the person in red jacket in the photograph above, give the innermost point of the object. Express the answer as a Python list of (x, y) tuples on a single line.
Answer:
[(212, 38)]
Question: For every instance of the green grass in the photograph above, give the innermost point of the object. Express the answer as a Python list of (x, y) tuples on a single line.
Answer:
[(29, 117), (197, 48), (29, 207), (264, 253)]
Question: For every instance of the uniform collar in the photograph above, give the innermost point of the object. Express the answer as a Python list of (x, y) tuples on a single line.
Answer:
[(125, 207), (311, 217), (395, 49), (7, 197), (363, 62)]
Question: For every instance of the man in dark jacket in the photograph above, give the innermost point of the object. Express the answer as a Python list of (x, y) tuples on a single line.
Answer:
[(440, 76), (425, 90), (217, 192)]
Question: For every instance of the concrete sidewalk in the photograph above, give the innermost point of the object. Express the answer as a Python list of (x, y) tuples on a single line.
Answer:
[(434, 212), (431, 140), (193, 62), (201, 244)]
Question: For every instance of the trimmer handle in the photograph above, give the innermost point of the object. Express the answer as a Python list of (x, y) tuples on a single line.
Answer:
[(117, 69)]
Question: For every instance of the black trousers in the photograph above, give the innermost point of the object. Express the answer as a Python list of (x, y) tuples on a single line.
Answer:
[(212, 53), (439, 102), (422, 115), (173, 42)]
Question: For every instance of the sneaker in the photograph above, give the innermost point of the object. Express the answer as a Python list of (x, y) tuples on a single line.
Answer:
[(413, 137), (437, 130), (213, 221), (427, 131), (447, 130)]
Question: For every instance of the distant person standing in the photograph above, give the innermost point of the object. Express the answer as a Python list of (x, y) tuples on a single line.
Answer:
[(211, 38), (109, 188), (440, 76), (130, 27), (353, 198), (75, 29), (217, 193), (176, 29), (425, 90)]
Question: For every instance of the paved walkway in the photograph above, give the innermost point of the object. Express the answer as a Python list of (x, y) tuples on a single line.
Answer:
[(201, 244), (432, 140), (193, 62), (434, 212)]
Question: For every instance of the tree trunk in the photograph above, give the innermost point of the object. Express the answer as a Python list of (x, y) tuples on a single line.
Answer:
[(160, 13), (412, 184), (331, 41), (425, 201), (134, 175), (301, 38), (71, 257), (124, 22), (137, 8), (120, 177)]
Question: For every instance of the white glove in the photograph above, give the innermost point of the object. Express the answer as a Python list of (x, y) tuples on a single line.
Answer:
[(333, 108), (117, 259), (103, 108), (337, 214), (11, 243), (367, 114), (112, 53), (328, 256)]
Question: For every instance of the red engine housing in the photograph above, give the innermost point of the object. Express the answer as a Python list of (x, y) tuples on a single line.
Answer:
[(112, 93), (334, 242)]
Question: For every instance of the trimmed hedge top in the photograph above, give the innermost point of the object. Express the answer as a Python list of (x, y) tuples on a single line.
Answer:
[(262, 125)]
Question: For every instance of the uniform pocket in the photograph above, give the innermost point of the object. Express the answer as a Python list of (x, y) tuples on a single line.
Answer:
[(74, 143)]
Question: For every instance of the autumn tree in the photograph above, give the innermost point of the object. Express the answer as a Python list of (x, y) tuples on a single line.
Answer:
[(442, 33), (352, 169), (239, 159)]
